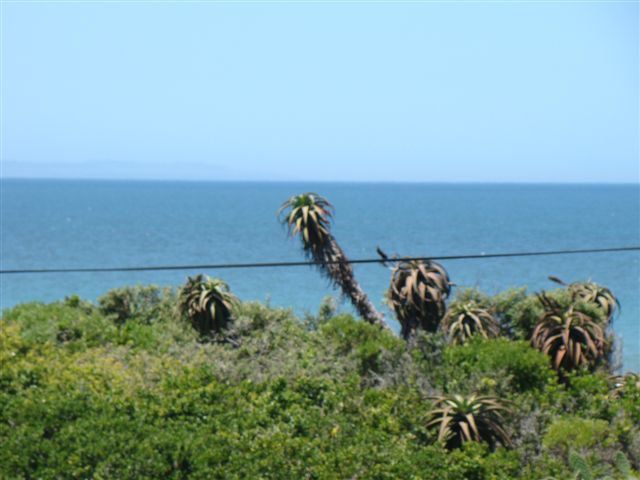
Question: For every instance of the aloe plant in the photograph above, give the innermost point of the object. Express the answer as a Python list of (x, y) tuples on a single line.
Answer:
[(417, 294), (571, 338), (591, 292), (596, 294), (459, 419), (464, 320), (582, 470), (207, 303), (309, 216), (580, 467)]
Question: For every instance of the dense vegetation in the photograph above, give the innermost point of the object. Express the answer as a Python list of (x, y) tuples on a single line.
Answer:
[(129, 389), (153, 383)]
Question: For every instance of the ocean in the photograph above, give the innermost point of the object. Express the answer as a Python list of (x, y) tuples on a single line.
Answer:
[(84, 223)]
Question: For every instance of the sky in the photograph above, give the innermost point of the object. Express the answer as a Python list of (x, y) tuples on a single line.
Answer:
[(329, 91)]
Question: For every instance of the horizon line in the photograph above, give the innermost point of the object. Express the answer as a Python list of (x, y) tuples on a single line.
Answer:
[(289, 181)]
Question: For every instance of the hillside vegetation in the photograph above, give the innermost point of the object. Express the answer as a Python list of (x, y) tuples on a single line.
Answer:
[(136, 387)]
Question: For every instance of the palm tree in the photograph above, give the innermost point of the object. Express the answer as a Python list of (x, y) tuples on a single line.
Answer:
[(571, 338), (463, 320), (207, 303), (461, 419), (417, 294), (309, 215)]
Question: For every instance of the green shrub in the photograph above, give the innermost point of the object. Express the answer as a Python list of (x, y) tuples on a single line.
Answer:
[(575, 433), (474, 295), (627, 395), (140, 302), (501, 365), (372, 346), (59, 323), (327, 310), (589, 393)]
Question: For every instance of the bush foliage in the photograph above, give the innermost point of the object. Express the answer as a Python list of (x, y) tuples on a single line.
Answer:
[(127, 390)]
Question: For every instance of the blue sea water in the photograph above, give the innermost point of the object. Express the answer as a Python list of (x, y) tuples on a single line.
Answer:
[(58, 224)]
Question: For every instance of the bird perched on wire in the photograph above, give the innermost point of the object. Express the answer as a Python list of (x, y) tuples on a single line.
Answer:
[(382, 254)]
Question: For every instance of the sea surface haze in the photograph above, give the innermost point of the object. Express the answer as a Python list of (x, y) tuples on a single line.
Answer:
[(84, 223)]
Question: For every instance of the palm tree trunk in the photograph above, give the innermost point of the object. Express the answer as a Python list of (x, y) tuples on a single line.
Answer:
[(342, 274)]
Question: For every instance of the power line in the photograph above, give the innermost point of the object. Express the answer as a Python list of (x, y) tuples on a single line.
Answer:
[(307, 263)]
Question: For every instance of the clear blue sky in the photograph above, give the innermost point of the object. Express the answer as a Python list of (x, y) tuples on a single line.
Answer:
[(496, 91)]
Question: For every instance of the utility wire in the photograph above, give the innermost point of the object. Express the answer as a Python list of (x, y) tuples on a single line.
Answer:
[(300, 264)]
